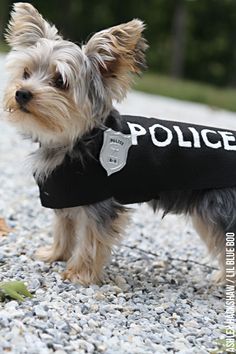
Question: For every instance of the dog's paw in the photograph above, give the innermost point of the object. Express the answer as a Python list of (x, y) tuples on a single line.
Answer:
[(48, 254), (84, 276), (218, 277)]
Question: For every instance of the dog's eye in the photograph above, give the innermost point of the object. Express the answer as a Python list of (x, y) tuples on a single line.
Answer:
[(26, 74), (59, 83)]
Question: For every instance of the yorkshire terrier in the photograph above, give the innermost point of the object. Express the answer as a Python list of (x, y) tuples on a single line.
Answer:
[(58, 92)]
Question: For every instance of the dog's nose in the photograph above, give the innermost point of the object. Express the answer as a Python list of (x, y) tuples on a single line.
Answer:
[(23, 96)]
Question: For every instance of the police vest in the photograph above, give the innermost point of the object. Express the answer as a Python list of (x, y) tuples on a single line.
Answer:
[(133, 158)]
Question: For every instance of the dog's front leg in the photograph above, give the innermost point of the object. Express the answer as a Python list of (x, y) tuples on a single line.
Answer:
[(98, 228), (63, 237)]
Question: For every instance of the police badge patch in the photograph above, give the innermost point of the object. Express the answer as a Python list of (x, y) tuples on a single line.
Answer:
[(114, 151)]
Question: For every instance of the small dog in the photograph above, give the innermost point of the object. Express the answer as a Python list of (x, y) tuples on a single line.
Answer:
[(58, 92)]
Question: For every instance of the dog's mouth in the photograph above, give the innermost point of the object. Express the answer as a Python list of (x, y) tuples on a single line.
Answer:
[(23, 109)]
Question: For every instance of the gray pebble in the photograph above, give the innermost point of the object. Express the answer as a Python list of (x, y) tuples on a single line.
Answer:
[(40, 311)]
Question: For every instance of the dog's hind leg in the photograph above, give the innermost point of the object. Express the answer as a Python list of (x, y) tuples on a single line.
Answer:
[(215, 242), (214, 218)]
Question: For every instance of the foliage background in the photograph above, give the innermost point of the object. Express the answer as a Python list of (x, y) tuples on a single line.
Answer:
[(193, 39)]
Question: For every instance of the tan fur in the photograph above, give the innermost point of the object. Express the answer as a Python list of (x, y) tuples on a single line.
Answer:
[(56, 117), (27, 26), (105, 63), (78, 240), (63, 240), (116, 51), (215, 242)]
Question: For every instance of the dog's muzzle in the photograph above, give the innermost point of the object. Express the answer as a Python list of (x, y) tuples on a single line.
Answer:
[(23, 96)]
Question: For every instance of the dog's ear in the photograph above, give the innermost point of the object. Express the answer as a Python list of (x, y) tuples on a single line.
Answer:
[(117, 52), (27, 26)]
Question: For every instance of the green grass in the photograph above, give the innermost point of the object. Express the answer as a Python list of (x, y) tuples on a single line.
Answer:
[(3, 47), (187, 90)]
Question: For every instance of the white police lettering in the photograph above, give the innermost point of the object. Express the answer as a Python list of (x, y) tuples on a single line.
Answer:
[(211, 138), (154, 139), (196, 137), (181, 137), (206, 140), (136, 130), (227, 137)]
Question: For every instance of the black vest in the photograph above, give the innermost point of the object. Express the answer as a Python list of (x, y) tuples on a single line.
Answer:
[(148, 155)]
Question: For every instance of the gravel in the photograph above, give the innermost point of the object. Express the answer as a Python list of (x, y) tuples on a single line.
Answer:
[(155, 298)]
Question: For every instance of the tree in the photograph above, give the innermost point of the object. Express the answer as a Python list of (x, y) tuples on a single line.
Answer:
[(191, 39), (178, 39), (4, 13)]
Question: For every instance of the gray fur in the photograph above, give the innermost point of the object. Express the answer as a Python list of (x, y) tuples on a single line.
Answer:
[(215, 209), (217, 205), (104, 213)]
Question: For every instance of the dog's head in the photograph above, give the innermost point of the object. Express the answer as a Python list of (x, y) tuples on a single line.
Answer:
[(58, 90)]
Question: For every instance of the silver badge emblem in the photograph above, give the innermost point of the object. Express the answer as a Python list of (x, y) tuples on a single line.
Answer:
[(114, 151)]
